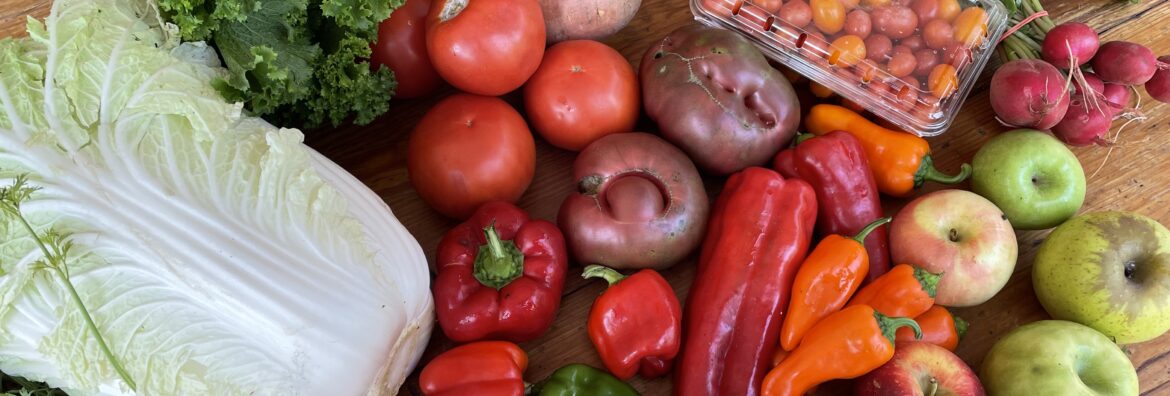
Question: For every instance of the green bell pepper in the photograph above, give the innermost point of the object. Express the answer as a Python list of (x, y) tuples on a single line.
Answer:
[(584, 380)]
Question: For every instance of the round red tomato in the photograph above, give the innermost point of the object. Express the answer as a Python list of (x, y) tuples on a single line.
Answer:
[(582, 91), (486, 47), (402, 47), (468, 150)]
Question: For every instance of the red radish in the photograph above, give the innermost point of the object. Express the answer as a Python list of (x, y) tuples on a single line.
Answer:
[(1094, 82), (1159, 86), (1117, 97), (1083, 124), (1029, 93), (1125, 63), (1069, 45)]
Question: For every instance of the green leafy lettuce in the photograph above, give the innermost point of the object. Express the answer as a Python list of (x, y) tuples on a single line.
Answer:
[(294, 62)]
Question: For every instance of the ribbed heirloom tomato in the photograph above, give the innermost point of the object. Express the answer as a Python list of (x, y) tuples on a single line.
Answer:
[(468, 150), (402, 46), (582, 91), (486, 47)]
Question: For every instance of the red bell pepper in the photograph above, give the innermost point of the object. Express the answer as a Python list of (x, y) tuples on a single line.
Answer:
[(847, 195), (500, 276), (759, 231), (636, 324), (485, 368)]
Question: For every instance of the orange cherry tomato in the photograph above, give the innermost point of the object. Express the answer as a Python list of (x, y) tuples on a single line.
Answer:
[(943, 80), (828, 15), (948, 9), (847, 51), (971, 26)]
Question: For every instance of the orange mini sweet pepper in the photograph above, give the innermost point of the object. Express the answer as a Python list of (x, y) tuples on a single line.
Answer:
[(939, 327), (846, 344), (484, 368), (904, 291), (825, 281), (900, 161)]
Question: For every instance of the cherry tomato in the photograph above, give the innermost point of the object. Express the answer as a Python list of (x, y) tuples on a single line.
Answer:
[(937, 33), (582, 91), (867, 71), (828, 15), (925, 9), (796, 12), (858, 24), (402, 47), (926, 59), (489, 47), (898, 22), (468, 150), (902, 63), (820, 91), (771, 6), (907, 92), (877, 47), (914, 43), (943, 80), (846, 51), (948, 9), (957, 55), (971, 26), (849, 4)]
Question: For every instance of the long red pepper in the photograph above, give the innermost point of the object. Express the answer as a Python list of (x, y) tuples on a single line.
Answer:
[(836, 167), (636, 324), (500, 276), (759, 231)]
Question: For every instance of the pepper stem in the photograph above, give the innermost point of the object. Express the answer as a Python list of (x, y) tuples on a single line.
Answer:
[(498, 262), (927, 172), (601, 271), (890, 326), (801, 137), (860, 237), (531, 389), (960, 326), (928, 280)]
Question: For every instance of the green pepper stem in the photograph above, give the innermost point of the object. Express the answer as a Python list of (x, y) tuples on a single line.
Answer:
[(801, 137), (960, 326), (498, 262), (860, 237), (927, 172), (600, 271), (531, 389), (928, 280), (890, 326)]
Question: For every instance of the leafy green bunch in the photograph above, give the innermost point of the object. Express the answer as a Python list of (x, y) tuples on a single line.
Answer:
[(297, 63)]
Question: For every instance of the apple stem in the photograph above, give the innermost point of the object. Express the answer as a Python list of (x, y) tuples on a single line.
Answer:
[(927, 172), (890, 326), (600, 271), (933, 387), (860, 237)]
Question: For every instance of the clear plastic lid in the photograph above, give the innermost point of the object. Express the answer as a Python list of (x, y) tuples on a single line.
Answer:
[(910, 62)]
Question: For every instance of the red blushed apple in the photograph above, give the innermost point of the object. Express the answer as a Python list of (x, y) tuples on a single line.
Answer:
[(920, 369), (961, 235)]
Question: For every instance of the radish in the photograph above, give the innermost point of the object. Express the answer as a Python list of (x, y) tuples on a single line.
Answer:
[(1029, 93), (1159, 86), (1095, 84), (1069, 45), (1083, 124), (1125, 63), (1117, 97)]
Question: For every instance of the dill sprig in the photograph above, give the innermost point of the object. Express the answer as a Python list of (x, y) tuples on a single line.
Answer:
[(55, 249)]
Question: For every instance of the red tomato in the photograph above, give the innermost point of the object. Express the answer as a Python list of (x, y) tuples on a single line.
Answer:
[(582, 91), (468, 150), (487, 47), (402, 46)]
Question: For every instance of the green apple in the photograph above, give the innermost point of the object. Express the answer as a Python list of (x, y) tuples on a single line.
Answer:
[(1109, 271), (1056, 357), (1030, 175)]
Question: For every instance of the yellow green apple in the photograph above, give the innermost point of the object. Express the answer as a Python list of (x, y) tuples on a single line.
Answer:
[(1030, 175), (1109, 271), (1056, 357)]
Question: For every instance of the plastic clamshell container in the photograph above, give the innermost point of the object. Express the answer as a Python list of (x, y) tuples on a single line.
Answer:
[(908, 102)]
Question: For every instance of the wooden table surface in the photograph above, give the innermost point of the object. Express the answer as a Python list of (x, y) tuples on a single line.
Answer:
[(1134, 179)]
